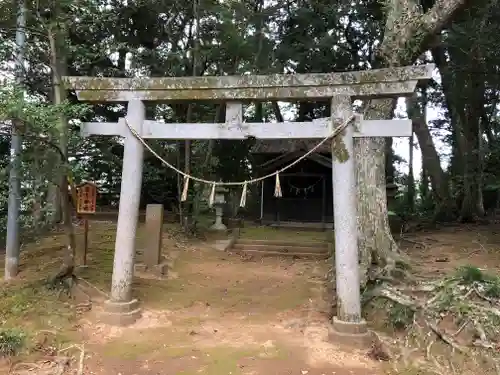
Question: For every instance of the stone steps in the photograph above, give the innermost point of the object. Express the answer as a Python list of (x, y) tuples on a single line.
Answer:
[(296, 249), (288, 242), (259, 253)]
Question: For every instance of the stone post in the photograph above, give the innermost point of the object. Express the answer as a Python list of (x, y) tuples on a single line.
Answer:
[(348, 322), (151, 255), (154, 229), (121, 309)]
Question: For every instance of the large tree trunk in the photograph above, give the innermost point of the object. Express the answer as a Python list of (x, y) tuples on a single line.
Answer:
[(410, 200), (431, 162), (206, 166), (403, 42), (472, 207), (480, 180), (38, 189), (390, 171), (376, 244), (464, 98), (58, 66), (188, 214), (54, 202)]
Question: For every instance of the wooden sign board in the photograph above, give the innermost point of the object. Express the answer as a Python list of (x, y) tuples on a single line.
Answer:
[(86, 198)]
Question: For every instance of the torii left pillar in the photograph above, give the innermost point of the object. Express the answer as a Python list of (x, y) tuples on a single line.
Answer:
[(122, 308)]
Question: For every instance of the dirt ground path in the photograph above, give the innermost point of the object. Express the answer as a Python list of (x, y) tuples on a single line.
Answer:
[(220, 314)]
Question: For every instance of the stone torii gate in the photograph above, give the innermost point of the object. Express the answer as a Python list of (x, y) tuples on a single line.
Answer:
[(341, 88)]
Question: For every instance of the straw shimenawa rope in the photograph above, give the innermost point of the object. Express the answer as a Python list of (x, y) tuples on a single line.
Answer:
[(277, 191)]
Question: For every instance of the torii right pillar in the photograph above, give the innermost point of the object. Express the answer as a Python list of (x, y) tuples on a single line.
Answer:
[(348, 324)]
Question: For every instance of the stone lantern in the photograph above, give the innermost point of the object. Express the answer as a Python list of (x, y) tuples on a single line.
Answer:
[(392, 192), (219, 202), (394, 220)]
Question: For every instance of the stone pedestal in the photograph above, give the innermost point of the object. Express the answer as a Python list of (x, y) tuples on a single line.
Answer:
[(218, 225), (120, 313), (351, 333), (158, 270)]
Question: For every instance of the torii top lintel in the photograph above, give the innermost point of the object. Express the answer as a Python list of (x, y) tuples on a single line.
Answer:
[(388, 82)]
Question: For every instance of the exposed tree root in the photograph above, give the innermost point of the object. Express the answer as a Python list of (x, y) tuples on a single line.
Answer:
[(57, 364), (462, 312), (65, 280), (103, 293), (419, 244)]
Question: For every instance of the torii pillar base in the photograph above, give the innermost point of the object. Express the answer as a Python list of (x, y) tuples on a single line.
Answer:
[(120, 313), (354, 334)]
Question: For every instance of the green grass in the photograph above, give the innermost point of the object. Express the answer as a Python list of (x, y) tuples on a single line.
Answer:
[(29, 309), (12, 341), (212, 360), (33, 304)]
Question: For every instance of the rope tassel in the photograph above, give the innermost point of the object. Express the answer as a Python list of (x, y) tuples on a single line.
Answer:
[(212, 196), (185, 189), (277, 190), (243, 200), (277, 187)]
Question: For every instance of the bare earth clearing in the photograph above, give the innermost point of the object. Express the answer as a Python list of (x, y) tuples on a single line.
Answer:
[(217, 313)]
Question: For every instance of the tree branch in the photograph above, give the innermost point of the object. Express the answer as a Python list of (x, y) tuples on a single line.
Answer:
[(43, 140), (411, 35)]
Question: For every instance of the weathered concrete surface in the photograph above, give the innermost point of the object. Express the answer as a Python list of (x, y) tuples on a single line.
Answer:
[(399, 74), (158, 270), (218, 225), (154, 232), (351, 333), (344, 204), (369, 83), (130, 195), (365, 90), (151, 260), (121, 313), (319, 128)]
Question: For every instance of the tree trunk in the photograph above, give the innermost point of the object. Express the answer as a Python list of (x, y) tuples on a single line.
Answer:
[(58, 66), (377, 247), (186, 212), (403, 42), (431, 162), (390, 171), (38, 188), (189, 114), (277, 112), (470, 103), (54, 202), (480, 182), (206, 165), (465, 102), (179, 152), (411, 178), (424, 184)]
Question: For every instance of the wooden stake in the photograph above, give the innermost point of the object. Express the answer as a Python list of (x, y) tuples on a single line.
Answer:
[(85, 241)]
